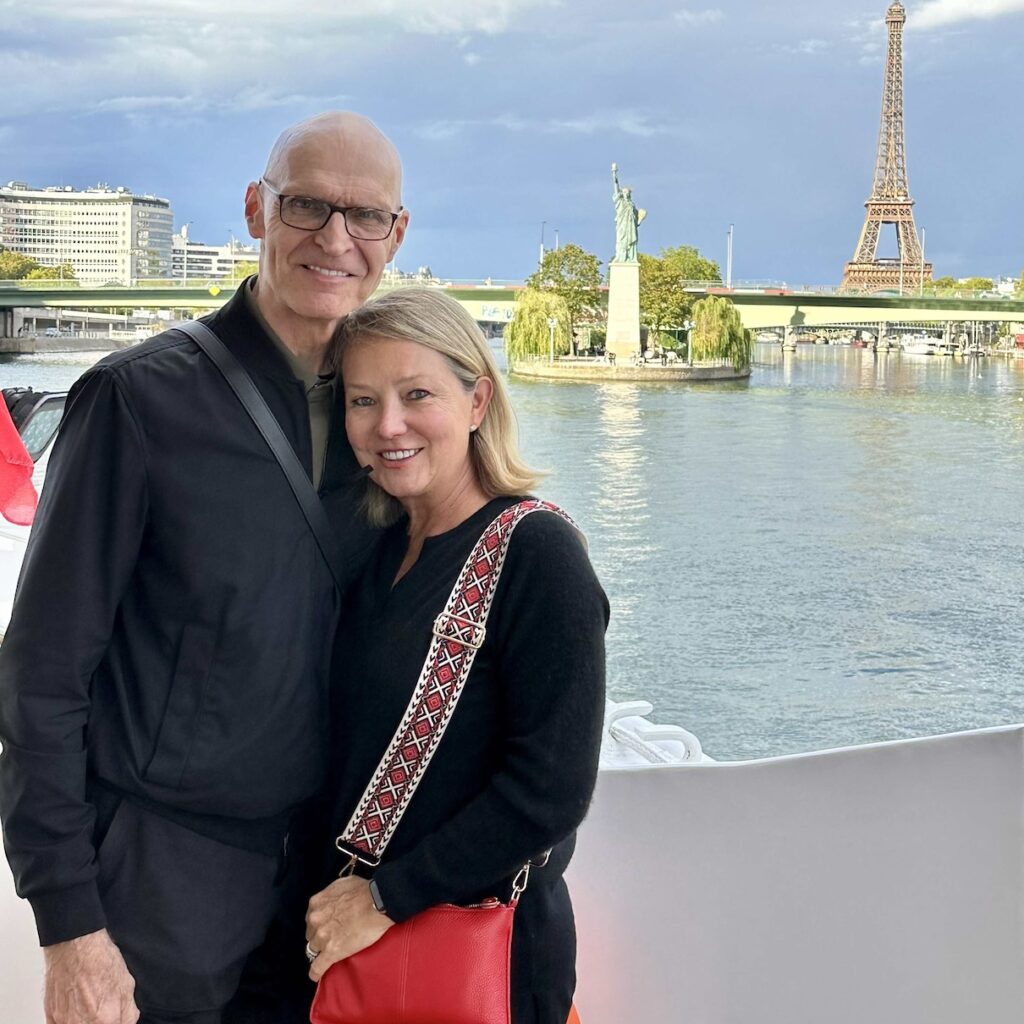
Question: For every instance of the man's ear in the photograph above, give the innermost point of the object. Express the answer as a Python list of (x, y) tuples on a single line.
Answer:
[(254, 210), (397, 234)]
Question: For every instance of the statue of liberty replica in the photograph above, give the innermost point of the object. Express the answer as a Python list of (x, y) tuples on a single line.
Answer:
[(623, 338), (627, 220)]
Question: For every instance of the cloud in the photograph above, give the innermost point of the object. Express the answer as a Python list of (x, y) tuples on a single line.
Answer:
[(939, 13), (808, 47), (423, 16), (164, 56), (626, 122), (245, 100), (693, 19), (472, 59)]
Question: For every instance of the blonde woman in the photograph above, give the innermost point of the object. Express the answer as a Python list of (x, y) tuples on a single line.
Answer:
[(428, 413)]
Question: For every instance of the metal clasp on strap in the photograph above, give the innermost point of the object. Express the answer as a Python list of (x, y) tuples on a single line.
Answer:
[(355, 856), (462, 630), (520, 882)]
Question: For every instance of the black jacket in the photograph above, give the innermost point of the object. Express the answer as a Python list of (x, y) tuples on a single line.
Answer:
[(173, 622)]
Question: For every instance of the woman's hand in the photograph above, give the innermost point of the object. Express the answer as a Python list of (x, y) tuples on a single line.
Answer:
[(342, 920)]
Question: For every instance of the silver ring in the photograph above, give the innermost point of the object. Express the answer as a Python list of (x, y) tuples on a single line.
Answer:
[(311, 953)]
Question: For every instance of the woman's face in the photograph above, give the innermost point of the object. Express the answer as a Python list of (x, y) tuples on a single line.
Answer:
[(409, 418)]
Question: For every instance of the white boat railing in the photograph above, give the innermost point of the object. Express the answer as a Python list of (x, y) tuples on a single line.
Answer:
[(630, 739)]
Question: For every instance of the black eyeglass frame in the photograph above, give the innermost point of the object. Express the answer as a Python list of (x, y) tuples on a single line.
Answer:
[(331, 211)]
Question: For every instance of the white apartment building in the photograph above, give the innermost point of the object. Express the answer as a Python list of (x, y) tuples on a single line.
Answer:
[(107, 235), (208, 261)]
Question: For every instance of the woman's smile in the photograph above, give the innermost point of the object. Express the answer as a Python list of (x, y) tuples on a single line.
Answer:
[(400, 455)]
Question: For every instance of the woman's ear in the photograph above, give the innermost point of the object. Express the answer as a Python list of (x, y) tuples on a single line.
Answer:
[(482, 393)]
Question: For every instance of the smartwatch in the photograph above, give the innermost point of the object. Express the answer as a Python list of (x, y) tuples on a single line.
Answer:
[(375, 896)]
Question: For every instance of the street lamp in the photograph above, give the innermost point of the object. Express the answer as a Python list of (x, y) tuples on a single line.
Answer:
[(921, 291), (184, 255), (552, 324), (728, 258)]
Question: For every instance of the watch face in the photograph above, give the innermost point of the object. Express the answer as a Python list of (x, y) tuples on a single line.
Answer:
[(375, 896)]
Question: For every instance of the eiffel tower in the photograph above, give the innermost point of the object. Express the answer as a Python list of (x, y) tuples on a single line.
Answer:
[(890, 201)]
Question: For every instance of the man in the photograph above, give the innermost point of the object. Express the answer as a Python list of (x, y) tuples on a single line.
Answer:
[(163, 681)]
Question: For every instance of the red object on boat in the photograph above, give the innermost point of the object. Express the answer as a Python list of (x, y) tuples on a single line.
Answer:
[(17, 495)]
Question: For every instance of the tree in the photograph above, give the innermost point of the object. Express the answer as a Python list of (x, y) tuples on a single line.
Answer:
[(574, 275), (528, 334), (941, 284), (691, 266), (240, 271), (718, 333), (1020, 283), (664, 301), (14, 266), (978, 284), (64, 272)]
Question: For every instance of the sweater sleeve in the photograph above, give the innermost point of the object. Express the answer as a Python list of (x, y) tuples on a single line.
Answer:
[(80, 555), (549, 619)]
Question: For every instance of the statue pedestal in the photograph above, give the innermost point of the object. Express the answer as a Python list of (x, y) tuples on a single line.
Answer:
[(623, 309)]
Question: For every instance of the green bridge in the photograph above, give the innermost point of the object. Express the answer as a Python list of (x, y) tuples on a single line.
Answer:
[(494, 303)]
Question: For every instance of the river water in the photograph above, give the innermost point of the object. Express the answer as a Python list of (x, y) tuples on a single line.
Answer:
[(829, 554)]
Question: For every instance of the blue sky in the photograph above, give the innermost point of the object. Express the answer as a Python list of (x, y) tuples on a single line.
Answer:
[(509, 112)]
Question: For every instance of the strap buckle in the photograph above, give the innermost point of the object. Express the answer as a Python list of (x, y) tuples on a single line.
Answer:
[(356, 855), (448, 626)]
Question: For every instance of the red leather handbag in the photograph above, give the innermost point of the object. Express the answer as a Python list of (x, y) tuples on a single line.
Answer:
[(448, 964)]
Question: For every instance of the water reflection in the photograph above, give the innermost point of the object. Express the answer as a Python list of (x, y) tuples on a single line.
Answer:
[(826, 558), (827, 555)]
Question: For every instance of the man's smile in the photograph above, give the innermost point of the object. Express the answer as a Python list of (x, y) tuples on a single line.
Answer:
[(327, 271)]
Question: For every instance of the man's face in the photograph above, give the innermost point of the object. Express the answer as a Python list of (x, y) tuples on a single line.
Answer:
[(309, 280)]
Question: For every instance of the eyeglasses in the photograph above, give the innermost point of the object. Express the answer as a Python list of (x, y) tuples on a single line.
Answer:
[(309, 214)]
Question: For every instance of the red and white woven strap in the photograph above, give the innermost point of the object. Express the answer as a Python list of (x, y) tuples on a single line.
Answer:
[(458, 634)]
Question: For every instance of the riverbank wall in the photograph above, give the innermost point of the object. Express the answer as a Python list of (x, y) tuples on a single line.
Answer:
[(595, 370), (36, 345)]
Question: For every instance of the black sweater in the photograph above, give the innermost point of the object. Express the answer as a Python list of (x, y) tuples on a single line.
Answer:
[(515, 771)]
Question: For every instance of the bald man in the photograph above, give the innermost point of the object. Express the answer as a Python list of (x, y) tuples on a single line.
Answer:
[(163, 682)]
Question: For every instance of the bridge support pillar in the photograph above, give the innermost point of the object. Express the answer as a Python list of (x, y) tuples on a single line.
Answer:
[(788, 339), (883, 343), (6, 323)]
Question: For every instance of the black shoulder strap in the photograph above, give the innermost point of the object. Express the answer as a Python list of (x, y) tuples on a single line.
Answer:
[(256, 406)]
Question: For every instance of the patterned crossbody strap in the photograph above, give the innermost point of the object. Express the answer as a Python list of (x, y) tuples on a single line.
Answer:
[(457, 635)]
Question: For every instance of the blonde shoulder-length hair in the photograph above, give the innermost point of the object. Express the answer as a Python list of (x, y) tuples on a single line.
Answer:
[(428, 317)]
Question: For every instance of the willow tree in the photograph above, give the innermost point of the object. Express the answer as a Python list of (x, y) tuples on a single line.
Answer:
[(528, 334), (718, 333)]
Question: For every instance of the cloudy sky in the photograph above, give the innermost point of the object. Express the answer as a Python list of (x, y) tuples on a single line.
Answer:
[(508, 114)]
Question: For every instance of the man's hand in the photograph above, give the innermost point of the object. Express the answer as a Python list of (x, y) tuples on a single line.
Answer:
[(87, 982), (342, 920)]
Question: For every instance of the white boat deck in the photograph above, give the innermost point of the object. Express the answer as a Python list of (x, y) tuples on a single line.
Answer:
[(880, 884)]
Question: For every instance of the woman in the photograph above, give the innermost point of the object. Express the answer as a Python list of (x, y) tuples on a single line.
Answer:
[(428, 414)]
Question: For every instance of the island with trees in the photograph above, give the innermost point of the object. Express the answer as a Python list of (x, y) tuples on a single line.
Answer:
[(558, 328)]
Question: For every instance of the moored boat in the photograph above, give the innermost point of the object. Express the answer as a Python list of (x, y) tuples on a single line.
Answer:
[(924, 345)]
